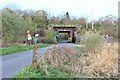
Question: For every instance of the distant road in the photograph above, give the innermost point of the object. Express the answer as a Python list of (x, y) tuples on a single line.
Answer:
[(13, 63)]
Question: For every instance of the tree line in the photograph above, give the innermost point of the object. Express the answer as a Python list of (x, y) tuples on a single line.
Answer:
[(15, 23)]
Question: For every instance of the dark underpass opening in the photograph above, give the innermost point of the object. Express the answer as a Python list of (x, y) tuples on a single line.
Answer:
[(63, 37), (65, 33)]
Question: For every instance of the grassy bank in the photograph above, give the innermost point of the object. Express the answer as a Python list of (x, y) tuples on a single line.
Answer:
[(47, 69), (28, 72), (19, 48), (70, 62)]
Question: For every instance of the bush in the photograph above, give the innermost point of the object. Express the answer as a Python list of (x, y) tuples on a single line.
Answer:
[(14, 27), (49, 35), (65, 58), (57, 62), (91, 41)]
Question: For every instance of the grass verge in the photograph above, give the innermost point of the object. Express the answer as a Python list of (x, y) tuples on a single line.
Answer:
[(19, 48), (28, 72)]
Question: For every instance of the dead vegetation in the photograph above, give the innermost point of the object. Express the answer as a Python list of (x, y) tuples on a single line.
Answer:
[(102, 62)]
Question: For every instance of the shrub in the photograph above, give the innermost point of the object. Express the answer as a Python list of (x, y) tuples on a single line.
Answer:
[(49, 35), (91, 41), (62, 58)]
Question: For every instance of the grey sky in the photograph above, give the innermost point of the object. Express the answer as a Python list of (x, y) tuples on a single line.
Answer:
[(79, 8)]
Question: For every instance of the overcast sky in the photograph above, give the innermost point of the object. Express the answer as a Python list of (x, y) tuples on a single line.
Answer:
[(78, 8)]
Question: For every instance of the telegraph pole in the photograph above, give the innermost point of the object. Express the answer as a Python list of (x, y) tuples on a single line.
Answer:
[(92, 19), (86, 25), (87, 22)]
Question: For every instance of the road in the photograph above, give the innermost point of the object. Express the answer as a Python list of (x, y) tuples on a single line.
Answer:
[(13, 63)]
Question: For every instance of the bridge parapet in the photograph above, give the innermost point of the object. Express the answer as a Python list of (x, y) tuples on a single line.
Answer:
[(64, 25)]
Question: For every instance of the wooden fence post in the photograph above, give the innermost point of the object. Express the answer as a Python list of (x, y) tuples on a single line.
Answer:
[(34, 58)]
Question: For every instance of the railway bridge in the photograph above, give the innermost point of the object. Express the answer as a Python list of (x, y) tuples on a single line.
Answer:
[(70, 29)]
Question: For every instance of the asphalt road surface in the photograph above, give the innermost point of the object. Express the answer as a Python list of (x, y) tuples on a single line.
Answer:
[(13, 63)]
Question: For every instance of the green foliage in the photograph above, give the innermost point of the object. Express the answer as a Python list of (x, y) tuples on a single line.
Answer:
[(0, 20), (40, 19), (19, 48), (63, 36), (15, 23), (13, 26), (30, 24), (28, 72), (91, 41), (54, 20), (49, 35)]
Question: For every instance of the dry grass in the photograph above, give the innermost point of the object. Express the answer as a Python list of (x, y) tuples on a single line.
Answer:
[(63, 58), (102, 63)]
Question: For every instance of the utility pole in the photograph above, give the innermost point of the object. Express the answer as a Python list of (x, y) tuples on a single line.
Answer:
[(86, 25), (87, 22), (92, 19)]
